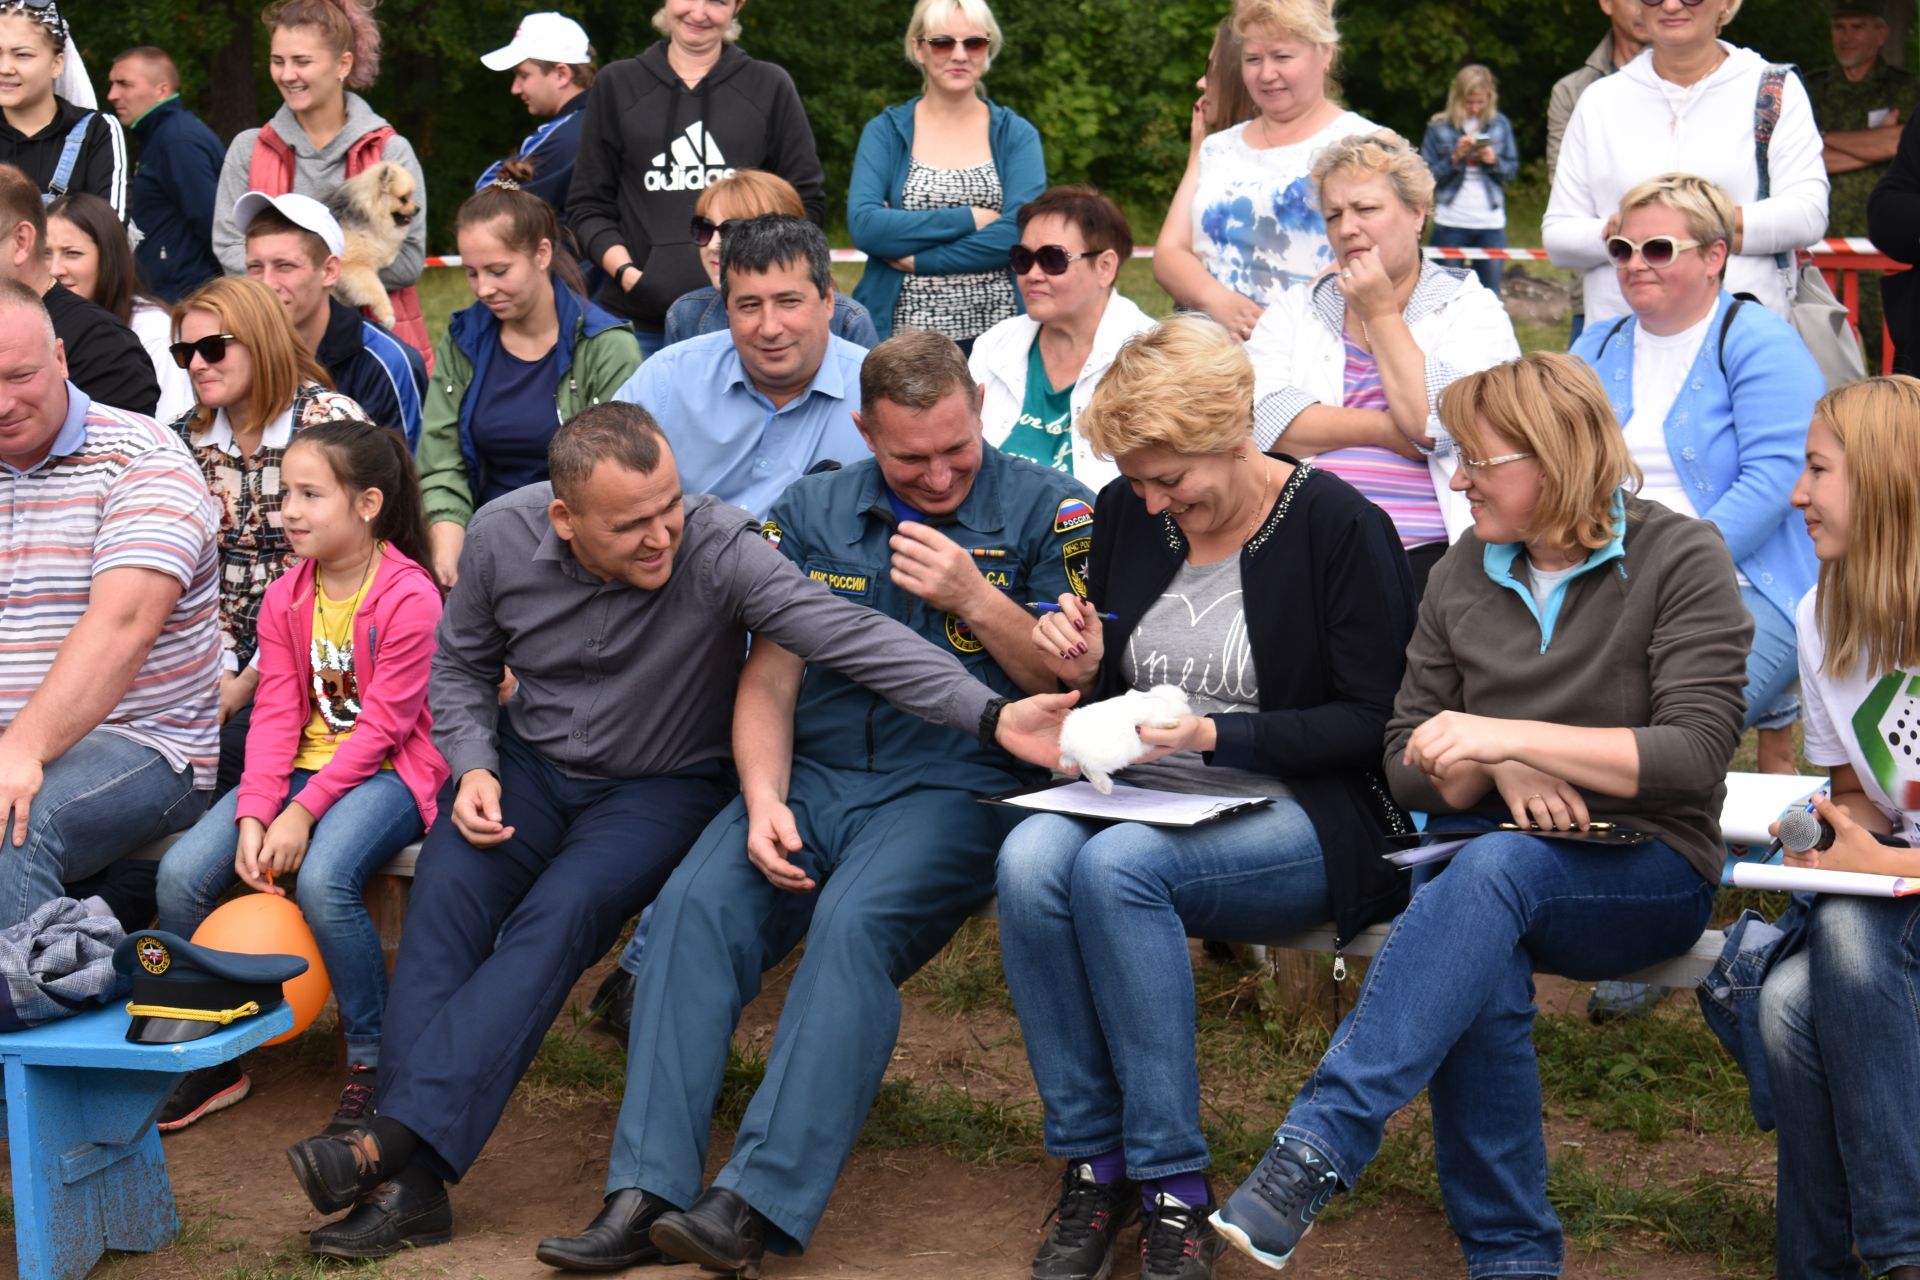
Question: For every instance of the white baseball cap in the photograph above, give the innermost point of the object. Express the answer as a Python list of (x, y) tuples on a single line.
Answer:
[(302, 211), (549, 37)]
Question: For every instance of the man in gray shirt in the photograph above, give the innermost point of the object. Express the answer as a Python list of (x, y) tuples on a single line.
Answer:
[(623, 608)]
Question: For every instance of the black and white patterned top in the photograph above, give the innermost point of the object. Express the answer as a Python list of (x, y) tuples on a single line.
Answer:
[(965, 305)]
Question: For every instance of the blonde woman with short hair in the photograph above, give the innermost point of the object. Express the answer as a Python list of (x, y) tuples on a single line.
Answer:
[(1578, 661), (1351, 370), (1275, 597), (1470, 148), (1243, 229), (938, 182), (1847, 999)]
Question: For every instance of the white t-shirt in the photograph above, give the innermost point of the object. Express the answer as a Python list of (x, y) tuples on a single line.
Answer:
[(1869, 721), (1543, 581), (1256, 224), (1661, 364), (1472, 207)]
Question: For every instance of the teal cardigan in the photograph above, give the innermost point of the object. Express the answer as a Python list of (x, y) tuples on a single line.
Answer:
[(940, 241)]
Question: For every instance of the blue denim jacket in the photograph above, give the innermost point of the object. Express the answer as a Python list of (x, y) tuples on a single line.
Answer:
[(1437, 150), (1730, 995)]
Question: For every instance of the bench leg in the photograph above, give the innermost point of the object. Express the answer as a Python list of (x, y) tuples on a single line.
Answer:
[(88, 1171)]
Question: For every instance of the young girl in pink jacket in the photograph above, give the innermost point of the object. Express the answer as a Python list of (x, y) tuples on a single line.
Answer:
[(340, 773)]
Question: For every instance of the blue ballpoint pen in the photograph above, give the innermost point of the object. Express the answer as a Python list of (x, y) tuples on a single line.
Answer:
[(1044, 606)]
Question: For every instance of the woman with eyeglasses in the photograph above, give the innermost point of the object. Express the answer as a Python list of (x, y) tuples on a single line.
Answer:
[(1351, 369), (938, 182), (527, 355), (1715, 395), (1277, 600), (1689, 105), (661, 127), (255, 383), (1243, 230), (1578, 660), (1037, 371), (748, 193)]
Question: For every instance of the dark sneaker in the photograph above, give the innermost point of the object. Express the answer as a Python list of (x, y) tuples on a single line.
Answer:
[(1177, 1242), (1274, 1208), (612, 1003), (720, 1231), (201, 1093), (1085, 1223), (616, 1238), (356, 1101), (394, 1216)]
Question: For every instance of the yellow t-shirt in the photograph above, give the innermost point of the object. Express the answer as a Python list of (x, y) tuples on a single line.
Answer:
[(335, 693)]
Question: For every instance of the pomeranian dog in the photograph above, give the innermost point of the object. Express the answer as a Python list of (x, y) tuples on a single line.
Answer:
[(1104, 737), (373, 210)]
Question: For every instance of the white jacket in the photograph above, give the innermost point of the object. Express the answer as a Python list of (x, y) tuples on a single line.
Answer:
[(1300, 359), (999, 365), (1624, 131)]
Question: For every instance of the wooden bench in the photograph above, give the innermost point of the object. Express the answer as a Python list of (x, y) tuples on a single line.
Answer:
[(89, 1173)]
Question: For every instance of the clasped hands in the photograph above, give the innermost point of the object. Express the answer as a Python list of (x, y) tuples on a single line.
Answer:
[(1453, 742)]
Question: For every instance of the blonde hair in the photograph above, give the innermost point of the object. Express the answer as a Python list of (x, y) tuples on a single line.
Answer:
[(254, 315), (1309, 21), (1184, 385), (752, 193), (731, 34), (1382, 153), (1868, 602), (1469, 79), (1551, 406), (975, 12), (1733, 10), (1706, 208)]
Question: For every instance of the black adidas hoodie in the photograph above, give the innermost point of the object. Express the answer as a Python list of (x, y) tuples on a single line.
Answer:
[(102, 167), (650, 145)]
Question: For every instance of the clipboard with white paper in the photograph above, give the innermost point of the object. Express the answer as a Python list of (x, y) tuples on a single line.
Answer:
[(1078, 799)]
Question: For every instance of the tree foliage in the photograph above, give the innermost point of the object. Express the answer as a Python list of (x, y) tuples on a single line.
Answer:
[(1109, 83)]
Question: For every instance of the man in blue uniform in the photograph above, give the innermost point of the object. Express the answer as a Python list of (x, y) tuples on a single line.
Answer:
[(858, 828)]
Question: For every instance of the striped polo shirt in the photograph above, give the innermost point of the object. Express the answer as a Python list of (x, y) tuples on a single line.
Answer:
[(1402, 487), (117, 491)]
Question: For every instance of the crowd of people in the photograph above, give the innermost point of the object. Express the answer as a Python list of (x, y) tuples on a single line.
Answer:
[(671, 579)]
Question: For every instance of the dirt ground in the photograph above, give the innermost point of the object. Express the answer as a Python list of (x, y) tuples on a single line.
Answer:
[(912, 1212)]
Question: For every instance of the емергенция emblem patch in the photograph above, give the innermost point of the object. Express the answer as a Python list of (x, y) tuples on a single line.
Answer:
[(961, 636), (154, 957), (1078, 554)]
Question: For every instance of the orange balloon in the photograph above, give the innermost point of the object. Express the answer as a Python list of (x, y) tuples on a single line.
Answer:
[(261, 924)]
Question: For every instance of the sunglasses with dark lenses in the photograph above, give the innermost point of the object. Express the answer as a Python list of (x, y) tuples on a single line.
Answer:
[(705, 229), (212, 349), (944, 45), (1053, 258), (1656, 251)]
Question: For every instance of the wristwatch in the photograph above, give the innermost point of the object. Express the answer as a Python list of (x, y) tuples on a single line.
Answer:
[(620, 274), (990, 722)]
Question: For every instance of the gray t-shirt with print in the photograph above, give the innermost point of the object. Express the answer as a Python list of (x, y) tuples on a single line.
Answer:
[(1195, 638)]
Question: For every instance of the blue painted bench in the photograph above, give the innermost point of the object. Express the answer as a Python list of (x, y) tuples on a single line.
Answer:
[(88, 1170)]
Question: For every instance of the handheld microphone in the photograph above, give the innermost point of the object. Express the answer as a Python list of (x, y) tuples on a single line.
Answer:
[(1804, 832)]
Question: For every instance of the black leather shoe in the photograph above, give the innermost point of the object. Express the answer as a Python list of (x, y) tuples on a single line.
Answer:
[(614, 1240), (719, 1231), (613, 1003), (336, 1169), (392, 1218)]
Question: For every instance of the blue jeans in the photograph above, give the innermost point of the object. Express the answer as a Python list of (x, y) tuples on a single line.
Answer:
[(1448, 1005), (1773, 665), (1465, 238), (106, 797), (1094, 921), (1841, 1025), (358, 835), (651, 340)]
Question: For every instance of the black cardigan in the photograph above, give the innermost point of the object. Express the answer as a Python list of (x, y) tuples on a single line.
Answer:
[(1328, 599)]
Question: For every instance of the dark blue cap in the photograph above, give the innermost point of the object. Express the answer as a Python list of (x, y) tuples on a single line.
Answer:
[(185, 992)]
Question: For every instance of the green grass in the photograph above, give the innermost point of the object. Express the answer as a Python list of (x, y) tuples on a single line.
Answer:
[(1729, 1217)]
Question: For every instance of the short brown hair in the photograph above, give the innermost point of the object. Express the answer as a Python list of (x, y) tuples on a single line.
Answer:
[(583, 72), (915, 369), (1102, 225), (20, 202), (611, 431), (271, 222), (1552, 406), (153, 55), (1184, 385), (754, 193)]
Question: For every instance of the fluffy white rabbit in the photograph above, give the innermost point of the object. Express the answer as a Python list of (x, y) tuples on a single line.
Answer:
[(1104, 738)]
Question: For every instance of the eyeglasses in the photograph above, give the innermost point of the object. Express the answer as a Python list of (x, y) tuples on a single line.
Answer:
[(1657, 252), (705, 229), (944, 45), (1481, 464), (212, 349), (1053, 258)]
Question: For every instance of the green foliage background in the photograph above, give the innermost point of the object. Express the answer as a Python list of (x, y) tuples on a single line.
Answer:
[(1109, 83)]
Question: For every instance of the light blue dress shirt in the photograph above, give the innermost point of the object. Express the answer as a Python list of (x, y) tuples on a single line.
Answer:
[(727, 437)]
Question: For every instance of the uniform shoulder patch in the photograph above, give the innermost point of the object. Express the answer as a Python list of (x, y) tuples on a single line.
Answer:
[(1071, 514), (1078, 554), (771, 532), (961, 636), (154, 956)]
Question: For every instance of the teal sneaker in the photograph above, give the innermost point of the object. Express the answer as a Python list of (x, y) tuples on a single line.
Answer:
[(1272, 1211)]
